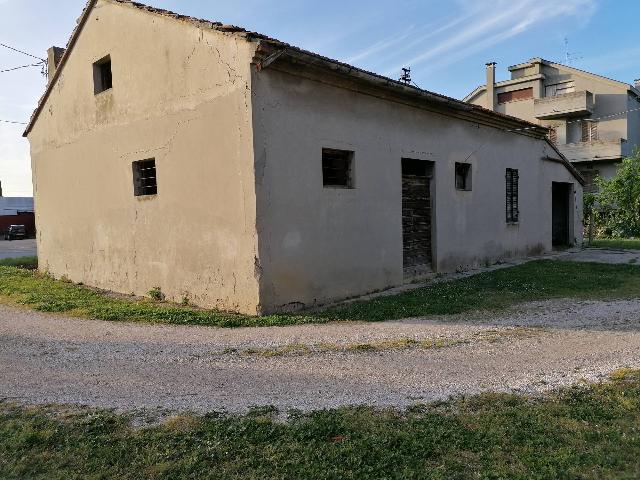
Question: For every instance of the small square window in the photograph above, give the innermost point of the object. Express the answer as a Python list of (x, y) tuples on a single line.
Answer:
[(144, 178), (337, 168), (463, 176), (102, 78)]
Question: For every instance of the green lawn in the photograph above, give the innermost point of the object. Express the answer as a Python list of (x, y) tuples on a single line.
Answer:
[(539, 280), (585, 432), (617, 243), (29, 263)]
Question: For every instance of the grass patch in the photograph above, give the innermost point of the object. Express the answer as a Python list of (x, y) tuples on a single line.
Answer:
[(28, 263), (499, 289), (44, 294), (617, 243), (586, 432), (496, 290)]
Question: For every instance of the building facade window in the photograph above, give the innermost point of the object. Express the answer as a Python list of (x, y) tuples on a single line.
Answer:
[(560, 89), (589, 131), (102, 77), (516, 95), (337, 168), (512, 178), (463, 176), (553, 135), (144, 178)]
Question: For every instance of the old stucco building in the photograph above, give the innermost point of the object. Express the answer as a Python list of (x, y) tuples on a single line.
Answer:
[(249, 175), (593, 120)]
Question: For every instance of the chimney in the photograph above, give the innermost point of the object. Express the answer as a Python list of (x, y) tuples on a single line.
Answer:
[(54, 54), (491, 86)]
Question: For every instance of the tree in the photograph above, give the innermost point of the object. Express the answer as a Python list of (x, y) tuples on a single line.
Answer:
[(616, 207)]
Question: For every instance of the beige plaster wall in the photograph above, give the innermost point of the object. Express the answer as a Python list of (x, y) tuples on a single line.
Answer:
[(180, 94), (320, 244)]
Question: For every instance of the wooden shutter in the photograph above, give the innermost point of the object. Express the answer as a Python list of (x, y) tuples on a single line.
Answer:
[(585, 131), (589, 131)]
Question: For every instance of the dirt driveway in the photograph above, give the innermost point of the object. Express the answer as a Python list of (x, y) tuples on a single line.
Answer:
[(51, 359)]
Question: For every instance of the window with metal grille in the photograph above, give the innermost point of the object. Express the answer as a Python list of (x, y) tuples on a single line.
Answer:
[(463, 176), (337, 168), (589, 131), (144, 178), (102, 77), (512, 178)]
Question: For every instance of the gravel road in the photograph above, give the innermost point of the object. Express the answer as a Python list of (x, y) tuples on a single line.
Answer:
[(53, 359)]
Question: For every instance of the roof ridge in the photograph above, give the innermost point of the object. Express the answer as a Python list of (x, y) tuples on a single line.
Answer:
[(250, 35)]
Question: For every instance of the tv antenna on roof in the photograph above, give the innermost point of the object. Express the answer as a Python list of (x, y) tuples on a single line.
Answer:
[(569, 57), (406, 76)]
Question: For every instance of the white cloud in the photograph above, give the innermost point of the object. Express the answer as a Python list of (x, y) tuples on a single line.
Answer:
[(490, 28)]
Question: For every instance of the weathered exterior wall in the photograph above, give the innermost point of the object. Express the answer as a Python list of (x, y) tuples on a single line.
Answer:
[(180, 94), (322, 244)]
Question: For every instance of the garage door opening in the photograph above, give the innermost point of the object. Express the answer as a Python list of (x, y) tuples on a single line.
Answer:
[(561, 213), (416, 217)]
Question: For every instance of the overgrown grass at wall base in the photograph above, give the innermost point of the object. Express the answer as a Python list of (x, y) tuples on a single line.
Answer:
[(44, 294), (494, 291), (499, 289), (581, 432), (616, 243)]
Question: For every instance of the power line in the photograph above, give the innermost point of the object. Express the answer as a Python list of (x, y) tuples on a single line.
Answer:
[(14, 122), (22, 66), (20, 51)]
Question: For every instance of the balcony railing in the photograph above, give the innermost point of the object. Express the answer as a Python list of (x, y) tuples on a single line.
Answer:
[(567, 105), (594, 151)]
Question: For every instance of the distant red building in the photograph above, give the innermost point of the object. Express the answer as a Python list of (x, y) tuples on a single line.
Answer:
[(17, 211)]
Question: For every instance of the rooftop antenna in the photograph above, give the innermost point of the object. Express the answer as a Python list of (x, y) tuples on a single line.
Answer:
[(570, 57), (406, 76)]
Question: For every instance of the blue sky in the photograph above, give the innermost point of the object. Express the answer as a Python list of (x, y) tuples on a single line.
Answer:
[(446, 42)]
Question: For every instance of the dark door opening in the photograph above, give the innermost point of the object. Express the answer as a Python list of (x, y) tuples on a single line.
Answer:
[(560, 214), (416, 216)]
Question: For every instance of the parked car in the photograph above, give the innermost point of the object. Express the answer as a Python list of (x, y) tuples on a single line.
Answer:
[(16, 232)]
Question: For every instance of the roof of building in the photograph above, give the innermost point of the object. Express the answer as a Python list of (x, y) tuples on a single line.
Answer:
[(12, 205), (275, 50), (474, 112), (481, 88)]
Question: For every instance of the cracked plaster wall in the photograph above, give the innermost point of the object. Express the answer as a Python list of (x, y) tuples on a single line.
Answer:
[(181, 95)]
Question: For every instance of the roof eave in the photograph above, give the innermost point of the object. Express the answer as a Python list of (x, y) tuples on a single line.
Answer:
[(507, 122), (52, 81)]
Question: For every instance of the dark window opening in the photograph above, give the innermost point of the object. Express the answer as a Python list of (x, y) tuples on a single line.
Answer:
[(515, 95), (337, 168), (102, 77), (144, 178), (463, 176), (513, 212)]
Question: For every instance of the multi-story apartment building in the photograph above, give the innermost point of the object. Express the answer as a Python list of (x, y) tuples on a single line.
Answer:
[(593, 120)]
